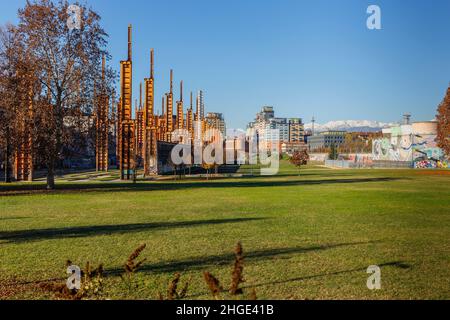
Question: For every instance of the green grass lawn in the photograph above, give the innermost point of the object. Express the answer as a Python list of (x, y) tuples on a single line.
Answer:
[(308, 234)]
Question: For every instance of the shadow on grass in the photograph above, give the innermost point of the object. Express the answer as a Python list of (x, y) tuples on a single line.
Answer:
[(13, 218), (395, 264), (86, 231), (24, 189), (198, 263)]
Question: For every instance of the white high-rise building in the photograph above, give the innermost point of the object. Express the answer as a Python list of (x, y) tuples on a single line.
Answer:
[(290, 130), (201, 102)]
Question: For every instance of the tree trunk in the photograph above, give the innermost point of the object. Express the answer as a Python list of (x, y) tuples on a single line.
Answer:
[(58, 119), (51, 174), (7, 155)]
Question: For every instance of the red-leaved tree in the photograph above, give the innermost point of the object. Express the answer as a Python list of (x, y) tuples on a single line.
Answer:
[(443, 117)]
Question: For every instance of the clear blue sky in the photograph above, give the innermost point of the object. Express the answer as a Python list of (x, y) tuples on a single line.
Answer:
[(303, 57)]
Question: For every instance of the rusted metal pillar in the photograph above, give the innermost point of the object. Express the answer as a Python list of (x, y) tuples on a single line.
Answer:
[(190, 119), (102, 124), (127, 136), (140, 127), (23, 156), (169, 111), (150, 123)]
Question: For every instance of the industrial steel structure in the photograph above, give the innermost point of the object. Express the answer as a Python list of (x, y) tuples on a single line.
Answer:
[(140, 128), (23, 156), (138, 135), (138, 138), (149, 122), (102, 125), (126, 123)]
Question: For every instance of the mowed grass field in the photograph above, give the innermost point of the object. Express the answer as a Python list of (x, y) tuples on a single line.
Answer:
[(308, 234)]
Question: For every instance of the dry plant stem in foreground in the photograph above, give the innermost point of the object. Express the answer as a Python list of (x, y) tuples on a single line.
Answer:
[(131, 266), (238, 270), (172, 292), (213, 284)]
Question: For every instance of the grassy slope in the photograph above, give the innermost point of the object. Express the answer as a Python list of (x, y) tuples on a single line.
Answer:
[(306, 237)]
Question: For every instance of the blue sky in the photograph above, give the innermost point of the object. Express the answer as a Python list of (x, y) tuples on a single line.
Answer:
[(303, 57)]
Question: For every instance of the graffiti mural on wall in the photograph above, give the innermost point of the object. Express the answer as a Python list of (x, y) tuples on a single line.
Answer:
[(398, 147), (384, 149), (425, 147), (414, 143), (430, 164)]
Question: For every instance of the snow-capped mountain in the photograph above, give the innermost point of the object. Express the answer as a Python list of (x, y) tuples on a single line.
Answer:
[(236, 133), (349, 125)]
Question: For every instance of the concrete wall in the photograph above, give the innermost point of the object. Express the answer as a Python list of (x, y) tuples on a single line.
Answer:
[(373, 164), (414, 142), (321, 157), (339, 164)]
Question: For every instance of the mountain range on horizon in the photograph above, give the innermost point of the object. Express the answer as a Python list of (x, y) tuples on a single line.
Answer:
[(350, 126), (341, 125)]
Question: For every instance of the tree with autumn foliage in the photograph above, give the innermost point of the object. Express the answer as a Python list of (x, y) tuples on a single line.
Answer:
[(7, 92), (67, 65), (443, 118), (16, 79), (208, 167), (299, 158)]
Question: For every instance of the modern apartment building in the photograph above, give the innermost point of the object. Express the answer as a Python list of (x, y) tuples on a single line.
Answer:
[(290, 130), (326, 139), (282, 125), (296, 130), (217, 121)]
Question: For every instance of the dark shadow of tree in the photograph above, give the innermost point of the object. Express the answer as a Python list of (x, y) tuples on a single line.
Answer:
[(394, 264), (14, 190), (87, 231), (211, 261), (13, 218)]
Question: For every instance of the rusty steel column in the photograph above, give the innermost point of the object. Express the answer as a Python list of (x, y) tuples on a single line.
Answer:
[(113, 117), (180, 111), (190, 119), (102, 125), (150, 122), (140, 127), (127, 125), (23, 160), (169, 111), (118, 131)]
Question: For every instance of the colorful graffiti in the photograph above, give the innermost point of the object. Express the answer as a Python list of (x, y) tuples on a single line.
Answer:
[(430, 164), (393, 149), (430, 153), (360, 159), (383, 150), (414, 143)]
